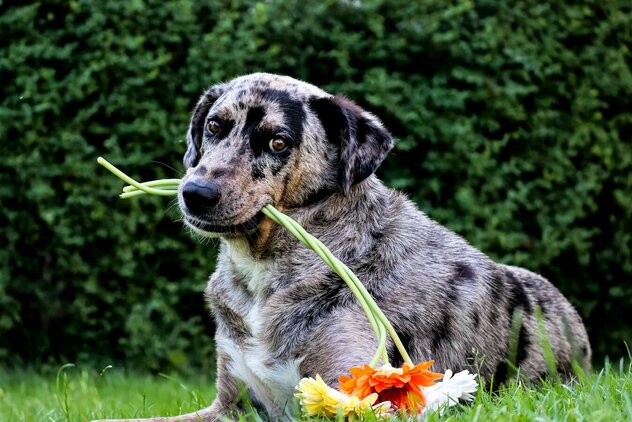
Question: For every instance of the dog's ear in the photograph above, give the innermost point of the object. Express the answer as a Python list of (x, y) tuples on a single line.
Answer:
[(363, 140), (196, 126)]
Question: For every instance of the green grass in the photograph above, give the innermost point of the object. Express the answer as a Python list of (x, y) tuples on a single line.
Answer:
[(86, 394), (604, 395)]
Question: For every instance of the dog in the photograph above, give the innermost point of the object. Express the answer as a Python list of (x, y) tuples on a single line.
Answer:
[(281, 314)]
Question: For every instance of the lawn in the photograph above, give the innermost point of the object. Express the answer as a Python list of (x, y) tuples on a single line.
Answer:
[(83, 394)]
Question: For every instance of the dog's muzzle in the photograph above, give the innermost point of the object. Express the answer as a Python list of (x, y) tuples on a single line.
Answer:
[(200, 196), (201, 204)]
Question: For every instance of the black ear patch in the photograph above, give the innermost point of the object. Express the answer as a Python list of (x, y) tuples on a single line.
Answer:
[(362, 139), (196, 127)]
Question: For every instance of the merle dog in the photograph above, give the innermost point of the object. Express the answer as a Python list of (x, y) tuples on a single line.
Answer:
[(282, 314)]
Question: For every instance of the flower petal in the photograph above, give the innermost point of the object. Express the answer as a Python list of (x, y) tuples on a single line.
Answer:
[(453, 388), (317, 398), (358, 384)]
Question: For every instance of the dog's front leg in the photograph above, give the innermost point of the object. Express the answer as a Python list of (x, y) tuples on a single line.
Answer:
[(340, 342), (226, 401)]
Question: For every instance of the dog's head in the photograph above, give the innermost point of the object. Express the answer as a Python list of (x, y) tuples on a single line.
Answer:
[(267, 139)]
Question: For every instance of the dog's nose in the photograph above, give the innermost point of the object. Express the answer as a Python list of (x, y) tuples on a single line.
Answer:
[(199, 196)]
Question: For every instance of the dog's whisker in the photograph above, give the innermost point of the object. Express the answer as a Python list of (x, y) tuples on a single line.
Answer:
[(176, 171), (172, 206)]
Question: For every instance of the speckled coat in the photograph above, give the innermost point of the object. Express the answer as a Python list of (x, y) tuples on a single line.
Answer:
[(282, 314)]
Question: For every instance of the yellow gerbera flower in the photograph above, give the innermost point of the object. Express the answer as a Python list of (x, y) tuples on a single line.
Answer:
[(317, 398)]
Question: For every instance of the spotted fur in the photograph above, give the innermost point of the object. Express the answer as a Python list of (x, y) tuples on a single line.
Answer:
[(282, 314)]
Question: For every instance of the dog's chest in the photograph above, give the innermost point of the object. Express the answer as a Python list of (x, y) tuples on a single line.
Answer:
[(255, 275), (270, 380)]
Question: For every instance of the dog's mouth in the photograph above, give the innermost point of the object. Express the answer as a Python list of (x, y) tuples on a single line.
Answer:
[(206, 228)]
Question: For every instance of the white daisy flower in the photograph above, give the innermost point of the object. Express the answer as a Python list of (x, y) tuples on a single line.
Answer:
[(452, 389)]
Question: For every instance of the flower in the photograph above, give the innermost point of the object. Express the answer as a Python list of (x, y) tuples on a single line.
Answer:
[(317, 398), (400, 386), (450, 391), (420, 377), (358, 384), (388, 377)]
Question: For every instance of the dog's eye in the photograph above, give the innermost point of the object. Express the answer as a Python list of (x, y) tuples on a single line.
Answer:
[(278, 144), (213, 126)]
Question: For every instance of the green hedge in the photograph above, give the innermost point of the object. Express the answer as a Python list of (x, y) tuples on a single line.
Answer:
[(511, 119)]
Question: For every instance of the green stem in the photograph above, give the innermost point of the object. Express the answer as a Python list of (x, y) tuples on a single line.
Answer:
[(118, 173), (343, 271), (160, 183), (126, 195), (311, 242), (387, 324)]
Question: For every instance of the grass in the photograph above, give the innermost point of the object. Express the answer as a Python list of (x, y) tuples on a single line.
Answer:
[(83, 394)]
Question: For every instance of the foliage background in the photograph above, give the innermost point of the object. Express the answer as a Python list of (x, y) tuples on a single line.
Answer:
[(513, 120)]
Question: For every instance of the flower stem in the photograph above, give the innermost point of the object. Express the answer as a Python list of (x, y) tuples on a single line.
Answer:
[(118, 173), (338, 267), (365, 298), (161, 183)]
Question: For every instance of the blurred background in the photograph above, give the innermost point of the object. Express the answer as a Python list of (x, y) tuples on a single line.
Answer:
[(513, 120)]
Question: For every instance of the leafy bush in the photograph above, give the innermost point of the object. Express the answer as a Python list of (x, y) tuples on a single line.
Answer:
[(511, 120)]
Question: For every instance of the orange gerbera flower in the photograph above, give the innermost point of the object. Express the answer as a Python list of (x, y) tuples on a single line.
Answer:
[(401, 386), (420, 376), (358, 384)]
